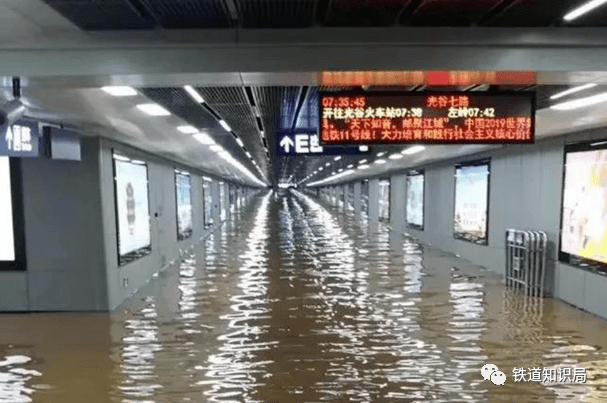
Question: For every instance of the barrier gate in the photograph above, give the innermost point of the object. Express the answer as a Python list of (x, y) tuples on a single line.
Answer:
[(526, 260)]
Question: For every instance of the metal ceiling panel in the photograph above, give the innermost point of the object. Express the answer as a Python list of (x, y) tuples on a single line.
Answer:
[(365, 13), (232, 105), (276, 13), (102, 15), (532, 13), (189, 13), (451, 13)]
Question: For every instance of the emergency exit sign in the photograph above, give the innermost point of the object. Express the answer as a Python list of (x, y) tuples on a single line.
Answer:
[(291, 144)]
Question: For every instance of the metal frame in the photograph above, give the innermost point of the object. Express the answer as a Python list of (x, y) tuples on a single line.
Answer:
[(526, 260)]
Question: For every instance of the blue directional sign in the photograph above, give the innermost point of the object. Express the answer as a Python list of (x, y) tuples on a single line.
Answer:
[(307, 143), (20, 139)]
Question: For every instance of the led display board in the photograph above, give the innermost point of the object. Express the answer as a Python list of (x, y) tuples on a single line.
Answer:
[(183, 192), (132, 209), (357, 118), (415, 200), (471, 202), (12, 240), (584, 207)]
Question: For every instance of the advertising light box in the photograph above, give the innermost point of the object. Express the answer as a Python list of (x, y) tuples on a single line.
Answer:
[(384, 199), (415, 200), (183, 191), (7, 235), (383, 117), (471, 202), (132, 209), (584, 211)]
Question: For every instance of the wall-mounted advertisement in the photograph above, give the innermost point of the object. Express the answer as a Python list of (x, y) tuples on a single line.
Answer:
[(12, 239), (384, 199), (415, 200), (208, 201), (584, 211), (183, 191), (132, 209), (471, 202)]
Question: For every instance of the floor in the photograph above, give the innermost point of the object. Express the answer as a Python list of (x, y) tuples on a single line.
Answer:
[(297, 301)]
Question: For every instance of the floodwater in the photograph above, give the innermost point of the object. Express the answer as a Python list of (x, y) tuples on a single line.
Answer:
[(296, 301)]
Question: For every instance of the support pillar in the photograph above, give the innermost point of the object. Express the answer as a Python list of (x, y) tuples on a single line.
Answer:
[(397, 203), (357, 198), (373, 202)]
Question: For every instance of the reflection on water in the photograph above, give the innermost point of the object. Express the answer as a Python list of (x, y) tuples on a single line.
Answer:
[(296, 301)]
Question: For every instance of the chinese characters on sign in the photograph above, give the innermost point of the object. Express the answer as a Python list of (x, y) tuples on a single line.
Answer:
[(435, 118), (20, 139), (560, 375)]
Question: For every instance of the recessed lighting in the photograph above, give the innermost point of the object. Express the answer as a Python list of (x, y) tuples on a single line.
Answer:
[(249, 155), (120, 91), (187, 129), (380, 161), (580, 103), (362, 161), (350, 166), (320, 169), (572, 90), (337, 158), (194, 94), (225, 125), (395, 156), (204, 138), (327, 164), (153, 109), (413, 150), (216, 148), (363, 148), (240, 143), (364, 166), (340, 170), (583, 9), (381, 154)]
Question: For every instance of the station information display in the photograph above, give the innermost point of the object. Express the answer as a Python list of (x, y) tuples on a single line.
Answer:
[(350, 118)]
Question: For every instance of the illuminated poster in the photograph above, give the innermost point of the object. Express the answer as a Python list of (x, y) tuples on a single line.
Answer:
[(222, 201), (384, 199), (7, 236), (471, 202), (355, 118), (208, 201), (584, 214), (415, 200), (183, 188), (132, 208)]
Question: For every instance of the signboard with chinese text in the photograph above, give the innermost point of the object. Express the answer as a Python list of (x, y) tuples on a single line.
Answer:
[(349, 118), (308, 143), (21, 139)]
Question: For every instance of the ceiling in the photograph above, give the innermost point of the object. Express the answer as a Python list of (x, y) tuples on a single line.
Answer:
[(188, 14), (259, 105)]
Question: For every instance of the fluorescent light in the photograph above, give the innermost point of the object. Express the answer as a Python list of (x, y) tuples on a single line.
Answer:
[(194, 94), (580, 103), (362, 161), (380, 161), (395, 156), (187, 129), (572, 90), (240, 143), (413, 150), (216, 148), (204, 139), (340, 170), (381, 154), (120, 91), (320, 169), (364, 166), (363, 148), (225, 125), (153, 109), (337, 158), (600, 143), (249, 155), (121, 158), (327, 164), (206, 178), (591, 5), (350, 166)]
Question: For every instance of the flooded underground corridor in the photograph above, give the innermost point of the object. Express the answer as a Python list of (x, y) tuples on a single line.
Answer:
[(296, 301)]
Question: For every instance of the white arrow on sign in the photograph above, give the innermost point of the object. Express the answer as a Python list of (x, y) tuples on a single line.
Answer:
[(286, 143)]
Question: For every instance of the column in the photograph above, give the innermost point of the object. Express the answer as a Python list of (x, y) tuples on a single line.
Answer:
[(398, 203), (346, 197), (357, 198), (373, 202)]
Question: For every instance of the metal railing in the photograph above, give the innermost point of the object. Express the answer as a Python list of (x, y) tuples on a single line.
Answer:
[(526, 260)]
